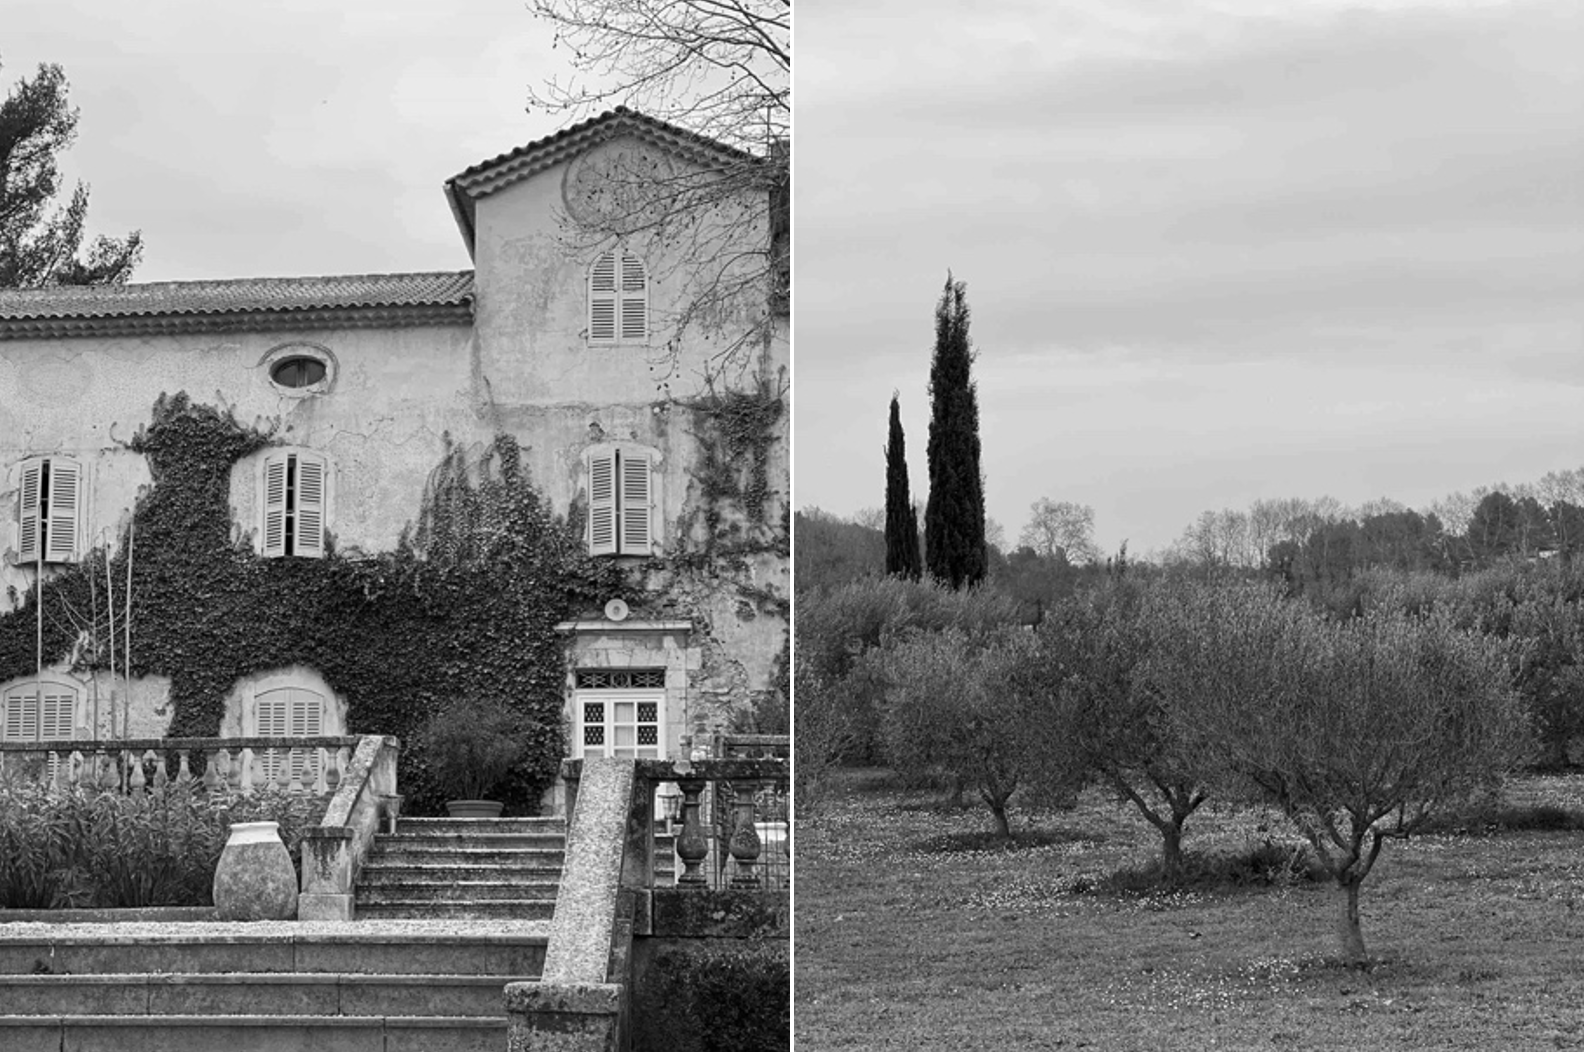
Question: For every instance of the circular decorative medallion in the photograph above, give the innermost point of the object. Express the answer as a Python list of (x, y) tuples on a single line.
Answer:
[(619, 186)]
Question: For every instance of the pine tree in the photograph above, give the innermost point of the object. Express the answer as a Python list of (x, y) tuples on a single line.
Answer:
[(954, 517), (40, 247), (901, 528)]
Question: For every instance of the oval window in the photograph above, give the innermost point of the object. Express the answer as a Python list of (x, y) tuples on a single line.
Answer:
[(297, 372)]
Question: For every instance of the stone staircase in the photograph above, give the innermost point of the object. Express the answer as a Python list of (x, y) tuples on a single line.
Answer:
[(275, 992), (464, 867)]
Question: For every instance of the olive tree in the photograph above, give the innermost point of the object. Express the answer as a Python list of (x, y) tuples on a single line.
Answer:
[(1357, 731), (954, 706), (1091, 656)]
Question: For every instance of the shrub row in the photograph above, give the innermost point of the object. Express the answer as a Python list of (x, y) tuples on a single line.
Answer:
[(82, 849)]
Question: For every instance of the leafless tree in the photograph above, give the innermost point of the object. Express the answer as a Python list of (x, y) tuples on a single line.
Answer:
[(1061, 526), (720, 69)]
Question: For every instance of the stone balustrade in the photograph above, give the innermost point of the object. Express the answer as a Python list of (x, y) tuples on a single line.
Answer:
[(314, 766), (612, 913), (728, 819)]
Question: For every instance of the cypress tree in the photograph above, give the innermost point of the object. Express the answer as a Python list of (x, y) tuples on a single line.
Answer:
[(901, 528), (954, 517)]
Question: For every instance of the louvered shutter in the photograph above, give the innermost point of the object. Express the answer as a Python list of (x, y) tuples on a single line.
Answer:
[(65, 501), (304, 719), (28, 512), (602, 504), (270, 721), (21, 722), (635, 504), (57, 718), (275, 505), (310, 505), (634, 299), (602, 299)]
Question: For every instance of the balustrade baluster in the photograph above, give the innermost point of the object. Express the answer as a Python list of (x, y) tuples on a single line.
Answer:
[(691, 847), (161, 776), (134, 765), (744, 844), (107, 775), (245, 785), (321, 762)]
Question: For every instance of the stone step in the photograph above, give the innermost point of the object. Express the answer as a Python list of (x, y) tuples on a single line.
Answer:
[(453, 855), (404, 871), (474, 826), (447, 891), (504, 909), (463, 841), (251, 1033), (416, 954), (255, 993)]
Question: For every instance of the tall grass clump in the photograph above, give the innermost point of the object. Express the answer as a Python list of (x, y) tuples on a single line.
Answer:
[(81, 848)]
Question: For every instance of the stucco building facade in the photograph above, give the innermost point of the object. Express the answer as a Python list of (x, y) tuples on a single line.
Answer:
[(576, 334)]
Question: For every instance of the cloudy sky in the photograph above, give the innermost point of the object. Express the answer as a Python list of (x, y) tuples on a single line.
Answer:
[(1216, 250), (284, 138)]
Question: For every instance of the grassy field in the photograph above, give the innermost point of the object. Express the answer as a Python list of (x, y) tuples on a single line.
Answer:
[(912, 933)]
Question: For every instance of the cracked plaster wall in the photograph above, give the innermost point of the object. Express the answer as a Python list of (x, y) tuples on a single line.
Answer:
[(524, 368)]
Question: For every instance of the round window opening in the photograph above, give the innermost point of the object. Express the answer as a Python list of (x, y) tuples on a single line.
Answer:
[(297, 372)]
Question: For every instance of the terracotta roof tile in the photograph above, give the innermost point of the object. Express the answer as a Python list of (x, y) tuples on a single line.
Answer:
[(245, 295)]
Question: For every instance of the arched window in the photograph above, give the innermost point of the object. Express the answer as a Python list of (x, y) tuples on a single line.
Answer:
[(618, 299), (35, 711), (290, 706)]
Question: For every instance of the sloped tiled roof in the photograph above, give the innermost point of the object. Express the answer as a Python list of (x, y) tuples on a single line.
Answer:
[(465, 188), (348, 300)]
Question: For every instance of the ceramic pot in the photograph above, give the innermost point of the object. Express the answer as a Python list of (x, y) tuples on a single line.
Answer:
[(473, 808), (255, 879)]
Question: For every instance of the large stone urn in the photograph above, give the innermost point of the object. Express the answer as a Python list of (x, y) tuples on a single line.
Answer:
[(255, 879)]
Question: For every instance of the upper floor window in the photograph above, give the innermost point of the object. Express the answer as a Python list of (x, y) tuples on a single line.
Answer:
[(49, 510), (299, 369), (295, 484), (618, 299), (621, 501), (298, 372)]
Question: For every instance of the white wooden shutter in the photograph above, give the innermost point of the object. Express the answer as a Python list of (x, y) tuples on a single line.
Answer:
[(270, 718), (57, 716), (310, 505), (635, 504), (634, 299), (28, 512), (602, 503), (21, 717), (602, 299), (274, 502), (65, 502)]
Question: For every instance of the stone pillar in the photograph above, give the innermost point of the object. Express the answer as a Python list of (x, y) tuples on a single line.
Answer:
[(326, 874), (563, 1017)]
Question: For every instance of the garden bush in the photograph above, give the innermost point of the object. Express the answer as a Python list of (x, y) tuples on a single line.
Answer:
[(85, 849), (715, 1000)]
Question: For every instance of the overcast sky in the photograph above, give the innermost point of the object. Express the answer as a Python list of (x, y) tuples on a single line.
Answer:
[(1216, 250), (280, 139)]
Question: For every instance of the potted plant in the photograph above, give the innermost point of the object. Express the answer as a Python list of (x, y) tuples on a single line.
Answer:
[(469, 748)]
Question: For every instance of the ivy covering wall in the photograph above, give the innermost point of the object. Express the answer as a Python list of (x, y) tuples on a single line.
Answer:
[(465, 606)]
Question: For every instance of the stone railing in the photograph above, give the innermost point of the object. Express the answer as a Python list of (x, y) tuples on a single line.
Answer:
[(316, 766), (610, 905), (333, 853)]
